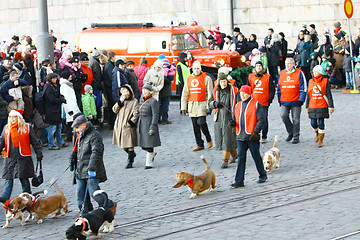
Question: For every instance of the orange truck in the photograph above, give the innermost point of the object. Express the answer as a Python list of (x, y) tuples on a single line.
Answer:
[(134, 41)]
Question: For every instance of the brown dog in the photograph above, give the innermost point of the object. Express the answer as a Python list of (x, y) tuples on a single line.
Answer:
[(271, 158), (15, 209), (197, 184), (44, 207)]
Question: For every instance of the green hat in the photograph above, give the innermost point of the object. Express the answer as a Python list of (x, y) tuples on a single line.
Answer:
[(221, 76)]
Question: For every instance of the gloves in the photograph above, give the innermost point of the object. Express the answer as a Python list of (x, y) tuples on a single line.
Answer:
[(254, 136), (92, 174), (218, 104), (122, 98), (232, 123), (73, 159), (39, 158), (152, 132)]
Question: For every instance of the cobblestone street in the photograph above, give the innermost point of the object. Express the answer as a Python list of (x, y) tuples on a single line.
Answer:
[(313, 195)]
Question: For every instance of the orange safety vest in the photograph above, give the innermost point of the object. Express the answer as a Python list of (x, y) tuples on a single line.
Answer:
[(250, 116), (234, 91), (316, 100), (24, 141), (290, 85), (260, 88), (197, 88)]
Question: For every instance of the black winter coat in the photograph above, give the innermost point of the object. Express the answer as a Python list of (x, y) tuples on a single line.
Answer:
[(3, 110), (133, 82), (53, 100), (107, 74), (273, 54), (90, 154)]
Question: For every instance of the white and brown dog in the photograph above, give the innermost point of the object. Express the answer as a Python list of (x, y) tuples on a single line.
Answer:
[(197, 184), (271, 158), (44, 207), (15, 209)]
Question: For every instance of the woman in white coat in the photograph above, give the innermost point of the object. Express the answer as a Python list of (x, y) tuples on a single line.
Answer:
[(70, 107), (155, 76)]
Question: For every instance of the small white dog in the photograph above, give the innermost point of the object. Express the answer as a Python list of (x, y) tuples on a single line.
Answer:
[(271, 158)]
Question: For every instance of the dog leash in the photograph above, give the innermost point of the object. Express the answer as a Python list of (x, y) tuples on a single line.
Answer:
[(83, 205), (52, 182)]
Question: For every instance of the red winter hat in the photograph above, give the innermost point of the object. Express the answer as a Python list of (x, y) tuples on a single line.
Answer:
[(246, 89), (16, 112)]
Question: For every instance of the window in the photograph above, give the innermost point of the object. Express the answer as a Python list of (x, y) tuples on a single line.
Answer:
[(203, 40), (184, 41), (158, 44), (137, 44)]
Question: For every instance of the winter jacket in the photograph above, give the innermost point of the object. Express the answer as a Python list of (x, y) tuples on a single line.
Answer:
[(251, 45), (3, 110), (133, 82), (124, 134), (28, 103), (8, 89), (70, 107), (197, 109), (90, 154), (273, 53), (88, 104), (339, 52), (229, 46), (157, 78), (94, 65), (107, 74), (241, 47), (53, 100), (306, 49), (347, 58), (17, 166), (316, 113), (169, 74), (140, 72), (118, 80), (90, 79), (148, 120), (326, 49)]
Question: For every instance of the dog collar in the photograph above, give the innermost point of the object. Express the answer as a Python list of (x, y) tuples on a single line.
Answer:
[(190, 182), (7, 207), (83, 221)]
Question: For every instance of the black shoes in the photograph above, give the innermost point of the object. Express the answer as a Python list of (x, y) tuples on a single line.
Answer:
[(290, 136), (295, 141), (237, 185), (262, 179)]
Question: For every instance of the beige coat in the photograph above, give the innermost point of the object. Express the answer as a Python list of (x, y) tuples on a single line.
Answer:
[(124, 135), (339, 53), (197, 109)]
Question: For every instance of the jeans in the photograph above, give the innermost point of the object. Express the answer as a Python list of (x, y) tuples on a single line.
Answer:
[(318, 123), (54, 131), (242, 147), (164, 108), (8, 187), (334, 81), (44, 135), (266, 123), (93, 185), (199, 124), (293, 128), (349, 80)]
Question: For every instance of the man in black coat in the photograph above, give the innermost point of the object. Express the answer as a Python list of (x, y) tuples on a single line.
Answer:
[(5, 67), (53, 100), (132, 78), (107, 81), (11, 91)]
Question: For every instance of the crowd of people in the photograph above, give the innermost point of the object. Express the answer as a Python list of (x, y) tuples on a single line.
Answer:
[(76, 91)]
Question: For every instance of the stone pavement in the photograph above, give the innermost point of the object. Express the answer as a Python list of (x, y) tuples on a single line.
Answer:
[(322, 210)]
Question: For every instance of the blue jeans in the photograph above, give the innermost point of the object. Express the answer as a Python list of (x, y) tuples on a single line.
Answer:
[(293, 128), (318, 123), (8, 186), (44, 135), (334, 81), (164, 108), (349, 80), (54, 131), (242, 147), (93, 185)]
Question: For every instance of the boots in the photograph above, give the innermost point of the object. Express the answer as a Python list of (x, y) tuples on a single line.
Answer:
[(321, 137), (233, 154), (316, 130), (131, 156), (226, 157), (149, 160)]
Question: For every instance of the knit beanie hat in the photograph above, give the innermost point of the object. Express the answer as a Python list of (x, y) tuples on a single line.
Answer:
[(337, 24), (18, 66), (318, 69), (161, 56), (88, 88), (65, 74), (221, 76), (148, 86), (246, 89)]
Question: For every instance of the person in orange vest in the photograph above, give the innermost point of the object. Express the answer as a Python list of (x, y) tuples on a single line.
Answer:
[(248, 120), (319, 103), (197, 92), (291, 96), (16, 138), (225, 97), (263, 91)]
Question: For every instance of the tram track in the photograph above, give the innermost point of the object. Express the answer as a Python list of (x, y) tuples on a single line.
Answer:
[(236, 199)]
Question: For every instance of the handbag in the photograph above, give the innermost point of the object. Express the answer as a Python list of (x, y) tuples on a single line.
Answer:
[(39, 179)]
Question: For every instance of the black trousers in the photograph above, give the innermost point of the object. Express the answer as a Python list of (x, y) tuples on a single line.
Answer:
[(200, 125)]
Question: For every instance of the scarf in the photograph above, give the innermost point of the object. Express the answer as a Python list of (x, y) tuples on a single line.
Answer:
[(318, 78), (14, 134)]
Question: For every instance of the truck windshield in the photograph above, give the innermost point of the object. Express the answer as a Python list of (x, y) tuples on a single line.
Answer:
[(202, 40), (184, 41)]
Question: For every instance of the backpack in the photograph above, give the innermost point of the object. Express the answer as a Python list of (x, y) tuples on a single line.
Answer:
[(39, 101)]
